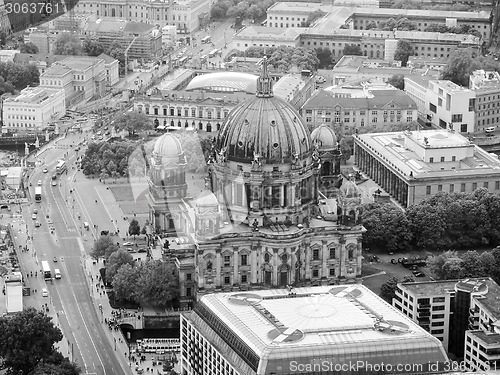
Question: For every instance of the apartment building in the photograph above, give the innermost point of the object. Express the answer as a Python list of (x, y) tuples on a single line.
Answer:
[(380, 110), (413, 165), (486, 86), (186, 15), (33, 109)]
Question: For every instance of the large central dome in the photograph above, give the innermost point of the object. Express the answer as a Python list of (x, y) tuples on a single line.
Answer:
[(265, 127)]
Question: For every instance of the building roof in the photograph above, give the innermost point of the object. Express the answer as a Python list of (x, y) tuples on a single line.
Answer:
[(80, 62), (379, 99), (57, 70), (487, 338), (289, 34), (489, 298), (32, 95), (107, 59), (429, 288), (335, 323), (400, 150), (288, 85), (224, 81), (138, 27)]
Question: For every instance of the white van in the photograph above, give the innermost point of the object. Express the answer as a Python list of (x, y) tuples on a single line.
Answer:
[(57, 273), (86, 225), (491, 129)]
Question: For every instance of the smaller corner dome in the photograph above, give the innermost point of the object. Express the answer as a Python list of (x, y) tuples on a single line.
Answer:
[(167, 146), (206, 198), (324, 137), (350, 190)]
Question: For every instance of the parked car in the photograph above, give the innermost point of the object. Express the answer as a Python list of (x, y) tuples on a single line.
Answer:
[(45, 170), (54, 259), (128, 243), (45, 293), (490, 129), (33, 216), (37, 224)]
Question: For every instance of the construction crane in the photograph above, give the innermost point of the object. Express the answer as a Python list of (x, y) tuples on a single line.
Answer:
[(126, 52)]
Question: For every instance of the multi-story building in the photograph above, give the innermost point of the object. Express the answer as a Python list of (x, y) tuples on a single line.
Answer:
[(445, 103), (142, 40), (81, 78), (460, 313), (320, 330), (413, 165), (261, 36), (41, 39), (112, 69), (186, 15), (293, 14), (33, 109), (486, 86), (260, 226), (429, 304), (380, 110)]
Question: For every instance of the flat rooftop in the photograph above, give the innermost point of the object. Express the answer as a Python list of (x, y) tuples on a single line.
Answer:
[(336, 322), (488, 338), (392, 146), (430, 288), (270, 33)]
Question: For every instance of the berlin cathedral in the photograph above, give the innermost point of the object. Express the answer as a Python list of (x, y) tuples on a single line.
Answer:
[(276, 211)]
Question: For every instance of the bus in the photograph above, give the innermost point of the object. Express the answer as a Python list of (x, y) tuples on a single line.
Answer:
[(46, 270), (61, 166), (203, 59), (206, 39), (183, 60), (38, 194), (213, 53)]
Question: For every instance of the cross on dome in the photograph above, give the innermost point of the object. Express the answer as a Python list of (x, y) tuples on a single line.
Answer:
[(264, 83)]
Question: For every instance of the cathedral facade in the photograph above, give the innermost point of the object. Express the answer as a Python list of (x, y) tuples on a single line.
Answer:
[(276, 212)]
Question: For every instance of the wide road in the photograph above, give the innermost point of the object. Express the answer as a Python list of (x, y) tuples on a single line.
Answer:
[(61, 236)]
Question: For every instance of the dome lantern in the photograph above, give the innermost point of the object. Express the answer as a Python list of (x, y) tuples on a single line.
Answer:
[(264, 84)]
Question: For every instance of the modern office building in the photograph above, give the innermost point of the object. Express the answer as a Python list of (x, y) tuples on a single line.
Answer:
[(32, 110), (444, 103), (413, 165), (463, 314), (313, 330)]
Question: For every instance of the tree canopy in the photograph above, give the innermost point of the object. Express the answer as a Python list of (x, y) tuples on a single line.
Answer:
[(352, 49), (253, 9), (19, 76), (28, 48), (404, 50), (151, 283), (134, 228), (110, 159), (27, 344), (283, 58), (92, 47), (116, 260), (67, 44), (441, 222), (104, 246), (398, 81), (133, 122), (462, 63), (325, 58)]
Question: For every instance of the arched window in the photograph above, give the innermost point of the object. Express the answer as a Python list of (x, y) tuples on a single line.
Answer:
[(266, 257)]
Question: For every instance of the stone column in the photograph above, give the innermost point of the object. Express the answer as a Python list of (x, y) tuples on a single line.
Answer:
[(324, 257), (218, 267), (274, 281), (235, 265), (342, 256)]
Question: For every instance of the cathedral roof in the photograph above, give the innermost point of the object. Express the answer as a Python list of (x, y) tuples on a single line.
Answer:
[(167, 149), (265, 126), (324, 136)]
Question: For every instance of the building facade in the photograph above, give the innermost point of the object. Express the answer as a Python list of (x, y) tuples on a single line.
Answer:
[(259, 226), (380, 110), (33, 109), (285, 331), (413, 165), (186, 15)]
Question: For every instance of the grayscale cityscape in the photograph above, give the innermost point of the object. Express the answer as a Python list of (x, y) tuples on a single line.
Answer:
[(259, 187)]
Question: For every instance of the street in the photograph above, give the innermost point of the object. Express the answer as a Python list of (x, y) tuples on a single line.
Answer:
[(61, 236)]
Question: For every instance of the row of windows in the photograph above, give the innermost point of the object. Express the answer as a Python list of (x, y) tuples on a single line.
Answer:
[(21, 117), (244, 279), (286, 18), (188, 112), (347, 112), (337, 120), (20, 125), (486, 185)]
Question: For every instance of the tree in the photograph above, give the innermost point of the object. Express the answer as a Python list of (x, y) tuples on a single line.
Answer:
[(28, 48), (408, 279), (116, 260), (352, 50), (346, 150), (398, 81), (67, 44), (125, 282), (403, 52), (219, 10), (56, 364), (134, 229), (459, 67), (388, 289), (254, 12), (325, 58), (158, 283), (386, 227), (92, 47), (447, 265), (117, 51), (26, 339), (133, 122), (103, 248), (472, 265)]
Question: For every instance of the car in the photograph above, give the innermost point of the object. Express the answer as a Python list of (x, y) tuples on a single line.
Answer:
[(142, 250), (419, 274), (33, 216), (54, 183), (54, 177), (45, 170), (131, 250), (128, 243), (37, 224), (45, 293), (54, 259), (490, 129), (39, 183), (35, 211)]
